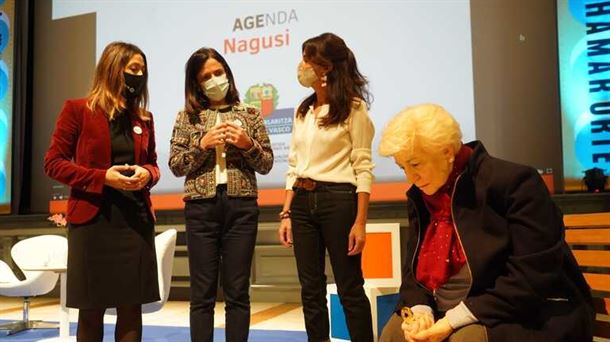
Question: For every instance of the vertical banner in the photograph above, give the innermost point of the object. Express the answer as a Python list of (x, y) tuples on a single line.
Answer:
[(7, 15), (584, 71)]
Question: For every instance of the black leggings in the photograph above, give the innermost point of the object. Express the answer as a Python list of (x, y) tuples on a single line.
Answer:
[(128, 325)]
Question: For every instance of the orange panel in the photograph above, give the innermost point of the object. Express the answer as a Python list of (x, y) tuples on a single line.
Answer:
[(167, 201), (598, 282), (590, 220), (56, 207), (592, 258), (389, 192), (588, 236), (174, 201), (377, 256), (381, 192), (549, 182)]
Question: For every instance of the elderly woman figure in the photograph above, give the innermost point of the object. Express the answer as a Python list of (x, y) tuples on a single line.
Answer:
[(486, 257)]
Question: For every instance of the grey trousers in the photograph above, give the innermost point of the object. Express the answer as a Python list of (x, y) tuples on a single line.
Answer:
[(470, 333)]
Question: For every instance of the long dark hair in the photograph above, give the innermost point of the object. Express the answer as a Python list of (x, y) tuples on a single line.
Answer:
[(344, 81), (194, 99), (109, 82)]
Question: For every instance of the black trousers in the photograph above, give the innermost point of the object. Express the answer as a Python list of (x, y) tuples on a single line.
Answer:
[(222, 228), (321, 220)]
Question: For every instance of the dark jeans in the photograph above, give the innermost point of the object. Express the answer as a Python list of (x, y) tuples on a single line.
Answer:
[(322, 220), (220, 228)]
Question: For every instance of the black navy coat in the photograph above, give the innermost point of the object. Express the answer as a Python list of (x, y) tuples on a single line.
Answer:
[(526, 284)]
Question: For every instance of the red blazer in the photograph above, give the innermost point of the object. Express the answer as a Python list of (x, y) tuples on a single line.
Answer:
[(80, 154)]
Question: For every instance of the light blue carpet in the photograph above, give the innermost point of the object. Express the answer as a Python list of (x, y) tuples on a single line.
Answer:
[(163, 334)]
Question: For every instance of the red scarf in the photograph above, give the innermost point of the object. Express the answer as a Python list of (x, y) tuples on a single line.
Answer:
[(441, 254)]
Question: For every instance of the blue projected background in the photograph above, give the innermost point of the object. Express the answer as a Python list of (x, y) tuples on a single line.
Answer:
[(6, 101), (584, 69)]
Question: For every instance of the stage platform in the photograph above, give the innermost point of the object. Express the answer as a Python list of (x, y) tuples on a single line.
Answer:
[(274, 276)]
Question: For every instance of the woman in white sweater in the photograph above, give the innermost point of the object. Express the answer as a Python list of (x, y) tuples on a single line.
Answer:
[(328, 185)]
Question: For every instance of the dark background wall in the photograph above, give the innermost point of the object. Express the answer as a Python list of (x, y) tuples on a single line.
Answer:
[(515, 81), (516, 84), (64, 62)]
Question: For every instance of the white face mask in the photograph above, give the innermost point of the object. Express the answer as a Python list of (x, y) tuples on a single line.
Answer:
[(216, 87), (307, 77)]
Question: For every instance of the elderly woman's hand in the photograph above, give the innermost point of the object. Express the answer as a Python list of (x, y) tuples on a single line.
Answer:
[(421, 321), (436, 333)]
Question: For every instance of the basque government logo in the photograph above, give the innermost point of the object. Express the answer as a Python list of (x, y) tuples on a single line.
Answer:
[(265, 97)]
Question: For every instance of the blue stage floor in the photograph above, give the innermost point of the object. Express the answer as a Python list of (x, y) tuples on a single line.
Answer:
[(165, 334)]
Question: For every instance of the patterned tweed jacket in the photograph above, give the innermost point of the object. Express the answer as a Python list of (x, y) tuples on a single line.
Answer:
[(188, 159)]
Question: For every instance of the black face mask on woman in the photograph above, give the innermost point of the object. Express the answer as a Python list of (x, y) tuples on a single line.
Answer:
[(134, 84)]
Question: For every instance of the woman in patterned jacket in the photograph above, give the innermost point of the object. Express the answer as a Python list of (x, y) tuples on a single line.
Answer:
[(219, 143)]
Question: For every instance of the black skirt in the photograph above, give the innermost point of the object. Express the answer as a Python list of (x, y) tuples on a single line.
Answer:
[(112, 260)]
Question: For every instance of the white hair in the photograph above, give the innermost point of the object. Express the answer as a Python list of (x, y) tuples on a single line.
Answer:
[(428, 125)]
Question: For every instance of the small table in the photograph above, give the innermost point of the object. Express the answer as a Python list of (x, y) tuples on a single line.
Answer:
[(64, 312)]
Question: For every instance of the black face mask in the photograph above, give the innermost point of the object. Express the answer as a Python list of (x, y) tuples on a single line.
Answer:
[(134, 84)]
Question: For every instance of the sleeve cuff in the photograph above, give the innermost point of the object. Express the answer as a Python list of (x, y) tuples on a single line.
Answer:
[(364, 188), (154, 176), (196, 149), (364, 183), (198, 152), (290, 179), (253, 151), (423, 309), (460, 316), (97, 185)]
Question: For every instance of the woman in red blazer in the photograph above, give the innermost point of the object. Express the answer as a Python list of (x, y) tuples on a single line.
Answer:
[(103, 147)]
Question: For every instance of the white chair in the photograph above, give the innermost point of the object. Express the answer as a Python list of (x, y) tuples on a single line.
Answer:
[(40, 252), (165, 245)]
